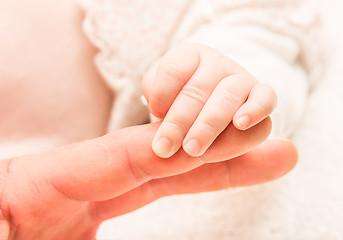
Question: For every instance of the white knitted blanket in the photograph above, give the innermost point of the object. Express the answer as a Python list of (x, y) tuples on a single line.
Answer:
[(306, 204)]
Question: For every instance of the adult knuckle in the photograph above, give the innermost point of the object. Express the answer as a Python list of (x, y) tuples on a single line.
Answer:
[(158, 188), (104, 149), (4, 187), (136, 172)]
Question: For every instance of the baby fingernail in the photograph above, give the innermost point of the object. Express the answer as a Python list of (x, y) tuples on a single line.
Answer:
[(243, 122), (162, 147), (193, 147)]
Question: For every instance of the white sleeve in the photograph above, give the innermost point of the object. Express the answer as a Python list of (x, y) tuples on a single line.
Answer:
[(274, 40)]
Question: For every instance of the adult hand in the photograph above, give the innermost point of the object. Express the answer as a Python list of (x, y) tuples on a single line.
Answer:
[(68, 192)]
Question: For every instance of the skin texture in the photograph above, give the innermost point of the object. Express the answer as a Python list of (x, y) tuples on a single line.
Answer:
[(50, 89), (49, 83), (66, 193), (198, 92)]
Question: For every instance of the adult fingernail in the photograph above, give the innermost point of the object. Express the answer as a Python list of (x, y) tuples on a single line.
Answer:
[(193, 147), (162, 147), (243, 122)]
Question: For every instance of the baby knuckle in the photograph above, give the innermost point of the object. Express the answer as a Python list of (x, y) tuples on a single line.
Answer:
[(158, 102), (195, 93), (230, 98), (248, 79), (263, 108), (273, 95), (270, 100), (210, 125), (176, 123), (266, 87), (171, 70), (157, 98)]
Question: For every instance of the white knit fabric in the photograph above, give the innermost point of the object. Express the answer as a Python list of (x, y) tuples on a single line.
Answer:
[(129, 42), (275, 40), (132, 35)]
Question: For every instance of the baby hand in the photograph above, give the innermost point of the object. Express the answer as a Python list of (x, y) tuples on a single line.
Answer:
[(198, 92)]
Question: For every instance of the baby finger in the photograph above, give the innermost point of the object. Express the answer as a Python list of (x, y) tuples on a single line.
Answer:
[(217, 113), (260, 104)]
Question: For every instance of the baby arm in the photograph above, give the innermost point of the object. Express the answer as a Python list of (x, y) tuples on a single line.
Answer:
[(198, 92)]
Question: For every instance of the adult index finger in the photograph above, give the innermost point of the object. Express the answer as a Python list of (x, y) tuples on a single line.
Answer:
[(108, 166)]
